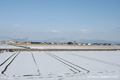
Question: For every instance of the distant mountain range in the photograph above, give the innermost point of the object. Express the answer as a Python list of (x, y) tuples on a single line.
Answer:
[(63, 40), (98, 41)]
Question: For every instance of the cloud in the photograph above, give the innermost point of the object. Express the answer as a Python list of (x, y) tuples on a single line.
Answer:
[(50, 31), (83, 30), (54, 31)]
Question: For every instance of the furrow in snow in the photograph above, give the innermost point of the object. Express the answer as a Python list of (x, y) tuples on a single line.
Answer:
[(9, 64), (7, 59), (72, 64), (65, 64), (36, 64), (49, 66), (94, 59)]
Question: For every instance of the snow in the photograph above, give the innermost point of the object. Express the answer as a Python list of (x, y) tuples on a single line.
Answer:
[(5, 46), (5, 60), (22, 65), (74, 47), (92, 65), (49, 65), (60, 65), (5, 56)]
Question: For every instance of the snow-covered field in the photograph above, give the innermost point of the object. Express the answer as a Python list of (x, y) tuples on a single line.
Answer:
[(74, 47), (60, 65), (5, 46)]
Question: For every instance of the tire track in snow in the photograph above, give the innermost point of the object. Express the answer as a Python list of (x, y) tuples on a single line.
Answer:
[(7, 59), (97, 60), (65, 64), (74, 64), (68, 63), (36, 64), (9, 63)]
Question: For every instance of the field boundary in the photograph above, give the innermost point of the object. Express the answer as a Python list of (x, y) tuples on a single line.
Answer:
[(12, 50)]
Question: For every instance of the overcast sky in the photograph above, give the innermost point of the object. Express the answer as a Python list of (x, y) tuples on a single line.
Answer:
[(72, 19)]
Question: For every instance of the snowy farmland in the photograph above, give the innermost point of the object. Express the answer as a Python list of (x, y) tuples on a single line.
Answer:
[(60, 65), (5, 46), (73, 47)]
